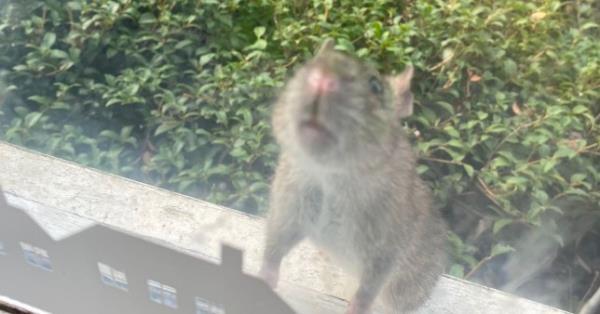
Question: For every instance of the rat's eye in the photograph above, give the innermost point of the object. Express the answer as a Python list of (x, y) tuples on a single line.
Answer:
[(375, 85)]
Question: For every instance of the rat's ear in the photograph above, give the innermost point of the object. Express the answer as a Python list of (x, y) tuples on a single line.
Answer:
[(327, 45), (403, 98)]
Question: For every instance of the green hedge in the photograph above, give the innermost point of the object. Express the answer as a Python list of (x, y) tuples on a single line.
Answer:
[(178, 94)]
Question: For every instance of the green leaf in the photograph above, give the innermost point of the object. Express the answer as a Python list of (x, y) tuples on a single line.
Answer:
[(259, 31), (516, 181), (455, 143), (589, 25), (206, 58), (60, 105), (238, 152), (564, 151), (126, 131), (21, 111), (48, 40), (59, 54), (421, 169), (540, 195), (469, 169), (40, 100), (579, 109), (73, 5), (166, 126), (260, 44), (534, 212), (112, 102), (32, 118), (500, 249), (548, 164), (344, 45), (183, 43), (446, 106), (450, 130), (457, 270), (499, 162), (496, 128), (110, 134), (578, 177), (576, 191), (247, 116), (147, 19), (500, 224), (510, 68)]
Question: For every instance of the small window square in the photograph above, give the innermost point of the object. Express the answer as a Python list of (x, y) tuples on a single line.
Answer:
[(169, 296), (36, 256), (205, 307), (155, 289), (106, 274), (111, 277), (120, 280), (162, 294)]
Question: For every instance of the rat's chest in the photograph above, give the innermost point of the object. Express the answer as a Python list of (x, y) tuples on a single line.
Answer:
[(334, 227)]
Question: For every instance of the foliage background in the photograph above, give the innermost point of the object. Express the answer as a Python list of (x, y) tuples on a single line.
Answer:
[(178, 94)]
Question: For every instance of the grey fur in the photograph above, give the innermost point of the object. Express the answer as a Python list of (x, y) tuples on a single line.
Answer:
[(355, 194)]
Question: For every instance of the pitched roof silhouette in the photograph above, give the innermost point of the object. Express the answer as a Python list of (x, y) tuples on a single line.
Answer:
[(104, 270)]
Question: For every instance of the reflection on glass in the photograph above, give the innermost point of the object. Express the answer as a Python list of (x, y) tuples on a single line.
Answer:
[(162, 294), (112, 277), (205, 307), (36, 256)]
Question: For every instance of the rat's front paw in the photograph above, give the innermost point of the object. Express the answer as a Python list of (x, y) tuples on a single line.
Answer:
[(270, 276)]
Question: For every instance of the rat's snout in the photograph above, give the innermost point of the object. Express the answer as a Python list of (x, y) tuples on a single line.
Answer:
[(321, 82)]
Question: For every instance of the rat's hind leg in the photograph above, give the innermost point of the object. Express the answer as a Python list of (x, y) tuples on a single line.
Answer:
[(405, 294)]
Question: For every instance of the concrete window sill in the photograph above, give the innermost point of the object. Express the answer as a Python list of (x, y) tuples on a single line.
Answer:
[(309, 283)]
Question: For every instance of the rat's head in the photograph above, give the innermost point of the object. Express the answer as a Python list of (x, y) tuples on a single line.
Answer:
[(338, 110)]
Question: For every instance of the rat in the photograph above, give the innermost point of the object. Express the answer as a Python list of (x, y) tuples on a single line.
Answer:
[(346, 180)]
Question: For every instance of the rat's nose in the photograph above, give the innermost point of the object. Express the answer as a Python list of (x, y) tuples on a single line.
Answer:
[(321, 81)]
